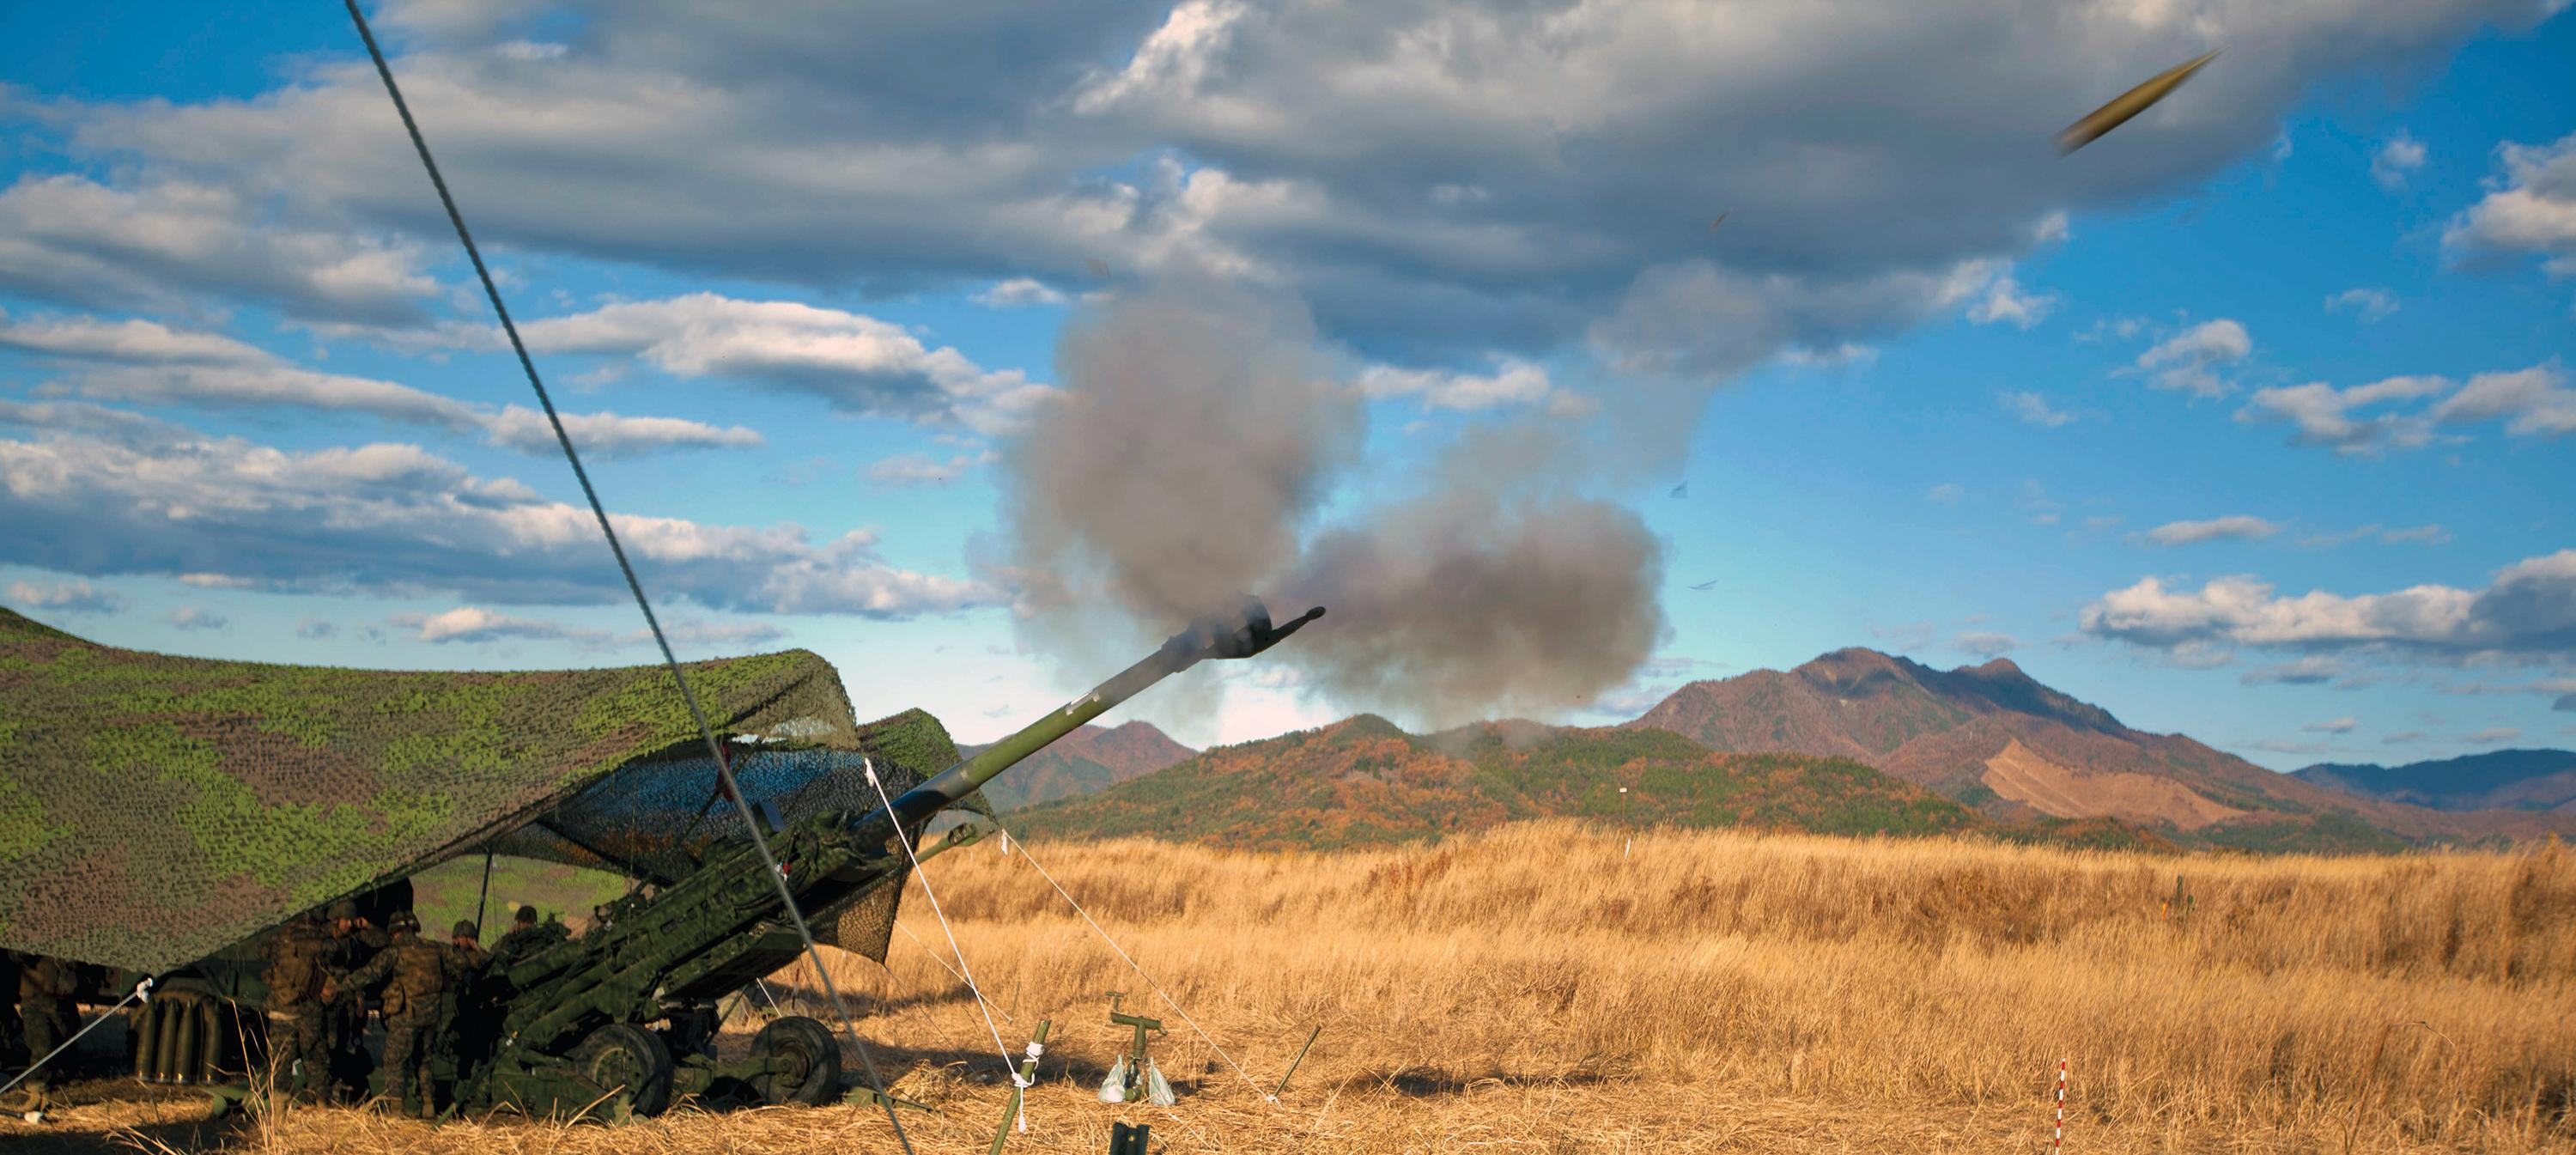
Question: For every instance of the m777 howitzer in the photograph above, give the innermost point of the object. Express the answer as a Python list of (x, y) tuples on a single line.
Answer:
[(572, 1033)]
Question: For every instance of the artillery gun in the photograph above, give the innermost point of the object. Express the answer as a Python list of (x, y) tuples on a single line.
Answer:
[(573, 1019)]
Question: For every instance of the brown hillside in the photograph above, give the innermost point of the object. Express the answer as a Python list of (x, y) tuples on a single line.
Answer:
[(1993, 736), (1087, 761)]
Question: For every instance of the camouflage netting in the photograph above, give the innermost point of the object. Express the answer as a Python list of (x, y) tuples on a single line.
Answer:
[(154, 809)]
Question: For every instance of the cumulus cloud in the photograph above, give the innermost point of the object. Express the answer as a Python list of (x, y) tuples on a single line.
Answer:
[(2371, 305), (2313, 670), (1983, 644), (146, 362), (78, 597), (1017, 292), (166, 243), (2004, 301), (922, 469), (2326, 416), (855, 363), (1438, 174), (2534, 402), (397, 520), (195, 618), (1513, 382), (2033, 408), (2421, 535), (2190, 361), (475, 624), (2397, 157), (2530, 209), (2238, 527), (2527, 613)]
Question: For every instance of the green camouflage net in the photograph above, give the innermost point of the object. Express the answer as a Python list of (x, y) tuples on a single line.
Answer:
[(154, 809)]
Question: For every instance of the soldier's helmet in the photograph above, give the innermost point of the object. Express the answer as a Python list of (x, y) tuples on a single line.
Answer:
[(465, 928), (527, 916), (404, 920), (341, 909)]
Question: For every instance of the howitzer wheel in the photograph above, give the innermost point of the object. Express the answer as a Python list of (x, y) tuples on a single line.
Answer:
[(811, 1056), (628, 1062)]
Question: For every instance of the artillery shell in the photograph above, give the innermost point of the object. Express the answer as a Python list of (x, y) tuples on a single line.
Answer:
[(2128, 104)]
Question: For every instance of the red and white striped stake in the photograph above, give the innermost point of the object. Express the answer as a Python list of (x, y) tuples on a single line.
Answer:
[(2059, 1143)]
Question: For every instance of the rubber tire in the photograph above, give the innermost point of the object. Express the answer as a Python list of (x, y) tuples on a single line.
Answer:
[(799, 1037), (623, 1053)]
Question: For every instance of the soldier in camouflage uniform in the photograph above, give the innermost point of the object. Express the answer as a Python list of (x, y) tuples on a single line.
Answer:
[(354, 943), (461, 1009), (299, 1052), (415, 972), (525, 938), (50, 1017), (12, 1047)]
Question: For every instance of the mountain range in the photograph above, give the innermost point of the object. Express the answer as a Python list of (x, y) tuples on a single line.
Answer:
[(1855, 741), (1089, 760), (2496, 780)]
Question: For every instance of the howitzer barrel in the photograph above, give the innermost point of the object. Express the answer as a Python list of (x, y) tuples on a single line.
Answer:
[(1242, 635)]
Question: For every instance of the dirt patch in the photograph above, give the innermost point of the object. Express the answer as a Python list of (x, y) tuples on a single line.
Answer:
[(2066, 792)]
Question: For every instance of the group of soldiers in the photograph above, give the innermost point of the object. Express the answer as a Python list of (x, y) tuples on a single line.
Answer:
[(325, 974)]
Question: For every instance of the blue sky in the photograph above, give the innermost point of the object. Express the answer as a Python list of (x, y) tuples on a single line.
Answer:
[(2252, 420)]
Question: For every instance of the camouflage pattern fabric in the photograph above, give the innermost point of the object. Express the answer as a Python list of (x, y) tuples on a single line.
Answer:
[(299, 1057), (154, 809)]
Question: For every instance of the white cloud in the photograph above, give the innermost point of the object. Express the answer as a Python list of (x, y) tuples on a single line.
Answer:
[(2371, 305), (2337, 726), (2238, 527), (2399, 156), (2530, 209), (2527, 613), (2033, 408), (2536, 400), (78, 597), (856, 363), (195, 618), (1513, 382), (1019, 291), (1946, 493), (2494, 736), (69, 239), (2313, 670), (2324, 415), (2190, 360), (2420, 535), (2004, 301), (397, 520), (1983, 644), (1905, 636), (146, 362), (475, 624), (920, 469)]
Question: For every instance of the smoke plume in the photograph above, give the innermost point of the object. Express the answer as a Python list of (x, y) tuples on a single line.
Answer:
[(1199, 438)]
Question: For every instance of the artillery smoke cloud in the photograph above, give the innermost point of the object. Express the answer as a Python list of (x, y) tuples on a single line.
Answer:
[(1199, 436)]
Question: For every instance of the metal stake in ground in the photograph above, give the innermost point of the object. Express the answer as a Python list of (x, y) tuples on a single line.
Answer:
[(2058, 1143), (1020, 1083)]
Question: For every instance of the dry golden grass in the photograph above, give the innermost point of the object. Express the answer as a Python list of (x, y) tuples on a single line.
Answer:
[(1531, 990)]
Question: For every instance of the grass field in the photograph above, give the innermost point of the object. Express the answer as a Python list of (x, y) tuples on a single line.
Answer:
[(1532, 989)]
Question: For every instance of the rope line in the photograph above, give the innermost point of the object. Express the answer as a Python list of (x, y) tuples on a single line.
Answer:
[(965, 970), (943, 965), (139, 991), (1246, 1076), (724, 772)]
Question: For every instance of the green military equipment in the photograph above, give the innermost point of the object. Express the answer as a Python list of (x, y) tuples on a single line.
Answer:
[(571, 1035), (1026, 1078), (1134, 1076), (590, 768), (1311, 1036), (1129, 1138)]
